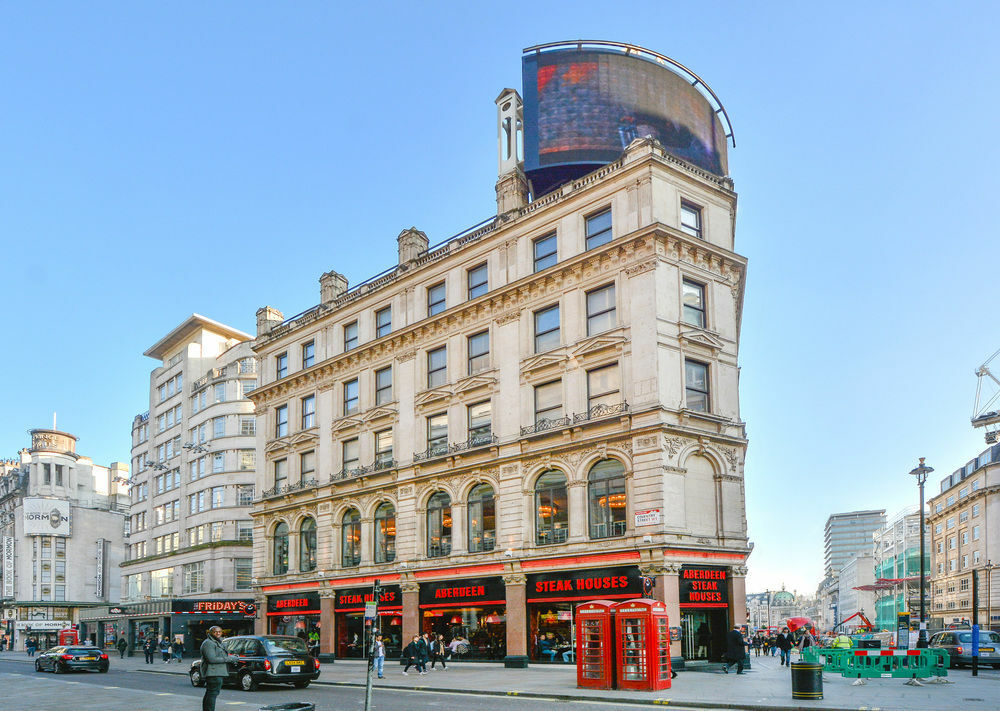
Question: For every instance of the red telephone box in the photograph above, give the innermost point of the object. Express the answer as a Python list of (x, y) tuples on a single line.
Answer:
[(642, 644), (66, 637), (595, 651)]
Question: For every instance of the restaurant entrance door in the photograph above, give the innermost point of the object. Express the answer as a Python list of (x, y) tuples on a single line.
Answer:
[(703, 635)]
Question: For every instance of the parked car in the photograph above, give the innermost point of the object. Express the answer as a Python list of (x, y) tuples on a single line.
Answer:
[(265, 659), (959, 646), (60, 660)]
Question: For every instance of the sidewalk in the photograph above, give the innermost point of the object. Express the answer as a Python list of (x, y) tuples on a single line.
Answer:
[(767, 685)]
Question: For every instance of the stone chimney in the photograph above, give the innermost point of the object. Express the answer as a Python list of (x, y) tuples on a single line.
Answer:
[(412, 243), (331, 285), (267, 318)]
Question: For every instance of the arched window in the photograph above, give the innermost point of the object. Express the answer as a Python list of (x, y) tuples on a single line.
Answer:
[(606, 496), (350, 539), (281, 548), (307, 545), (551, 508), (482, 519), (439, 525), (385, 533)]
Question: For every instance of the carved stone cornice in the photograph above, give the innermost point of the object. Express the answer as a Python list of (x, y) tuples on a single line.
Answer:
[(642, 267), (515, 579), (406, 356), (409, 587), (740, 570), (508, 317)]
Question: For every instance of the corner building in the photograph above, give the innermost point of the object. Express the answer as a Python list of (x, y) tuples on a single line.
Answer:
[(532, 415)]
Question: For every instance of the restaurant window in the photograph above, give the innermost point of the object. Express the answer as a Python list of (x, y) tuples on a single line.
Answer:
[(436, 301), (599, 229), (439, 525), (280, 564), (383, 386), (546, 252), (606, 493), (478, 281), (696, 386), (385, 533), (601, 310), (350, 538), (307, 545), (551, 508), (479, 352), (693, 295), (480, 423), (437, 367), (482, 516), (547, 329)]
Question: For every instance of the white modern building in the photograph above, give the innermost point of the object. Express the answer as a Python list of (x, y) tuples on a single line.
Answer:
[(62, 519), (858, 572)]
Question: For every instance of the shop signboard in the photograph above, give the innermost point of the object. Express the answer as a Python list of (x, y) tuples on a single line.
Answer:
[(246, 608), (618, 583), (303, 603), (470, 592), (8, 566), (42, 625), (355, 599), (46, 517), (704, 586), (100, 568)]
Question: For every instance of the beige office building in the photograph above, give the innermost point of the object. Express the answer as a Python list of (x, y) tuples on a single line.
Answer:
[(536, 413)]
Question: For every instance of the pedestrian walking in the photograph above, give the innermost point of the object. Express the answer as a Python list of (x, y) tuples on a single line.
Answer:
[(177, 648), (439, 652), (31, 645), (149, 649), (122, 646), (214, 666), (784, 644), (378, 652), (413, 655), (756, 643), (735, 650), (165, 649), (425, 648), (704, 638), (807, 640)]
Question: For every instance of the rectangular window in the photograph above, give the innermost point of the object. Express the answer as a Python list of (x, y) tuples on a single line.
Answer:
[(308, 354), (351, 454), (218, 462), (975, 533), (281, 365), (248, 426), (951, 543), (383, 322), (383, 449), (480, 423), (965, 537), (599, 229), (437, 367), (244, 531), (693, 294), (963, 492), (281, 421), (280, 473), (383, 385), (547, 329), (307, 466), (951, 500), (952, 566), (244, 495), (603, 387), (308, 411), (546, 252), (243, 573), (965, 562), (351, 397), (219, 392), (350, 336), (217, 494), (950, 523), (437, 434), (478, 281), (601, 315), (479, 352), (194, 577), (247, 366), (690, 219), (696, 386), (963, 517), (219, 427), (548, 401), (975, 557), (975, 509), (436, 301)]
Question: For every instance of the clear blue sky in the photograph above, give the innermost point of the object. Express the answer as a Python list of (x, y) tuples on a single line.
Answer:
[(160, 159)]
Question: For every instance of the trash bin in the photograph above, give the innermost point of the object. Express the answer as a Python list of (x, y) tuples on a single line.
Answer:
[(294, 706), (807, 680)]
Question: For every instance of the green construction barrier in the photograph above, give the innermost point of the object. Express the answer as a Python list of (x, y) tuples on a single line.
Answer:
[(880, 663)]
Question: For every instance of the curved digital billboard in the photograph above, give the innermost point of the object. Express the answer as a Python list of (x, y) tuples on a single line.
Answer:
[(583, 106)]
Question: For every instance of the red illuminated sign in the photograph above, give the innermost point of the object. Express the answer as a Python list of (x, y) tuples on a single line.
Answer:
[(616, 583), (704, 587)]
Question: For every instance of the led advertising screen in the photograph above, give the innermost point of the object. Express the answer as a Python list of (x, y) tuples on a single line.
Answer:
[(582, 107)]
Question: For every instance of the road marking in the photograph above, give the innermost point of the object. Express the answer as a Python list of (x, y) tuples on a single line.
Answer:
[(164, 693), (235, 703), (112, 687)]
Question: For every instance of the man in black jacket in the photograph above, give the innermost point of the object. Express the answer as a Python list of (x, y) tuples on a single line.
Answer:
[(414, 655), (735, 650), (785, 646)]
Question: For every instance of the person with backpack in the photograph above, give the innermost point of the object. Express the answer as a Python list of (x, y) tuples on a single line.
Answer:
[(413, 655), (121, 645)]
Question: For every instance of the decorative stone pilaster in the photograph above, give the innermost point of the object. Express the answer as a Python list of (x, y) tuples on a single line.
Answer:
[(517, 621), (328, 631), (411, 610)]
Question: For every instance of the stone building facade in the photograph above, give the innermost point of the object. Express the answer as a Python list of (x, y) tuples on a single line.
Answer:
[(540, 412)]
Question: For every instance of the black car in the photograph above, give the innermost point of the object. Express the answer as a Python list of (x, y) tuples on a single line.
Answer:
[(60, 660), (265, 659)]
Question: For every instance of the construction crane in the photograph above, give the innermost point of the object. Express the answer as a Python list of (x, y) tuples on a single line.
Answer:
[(986, 412), (865, 623)]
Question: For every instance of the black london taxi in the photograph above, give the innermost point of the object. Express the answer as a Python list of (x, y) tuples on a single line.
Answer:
[(265, 659), (959, 646), (62, 659)]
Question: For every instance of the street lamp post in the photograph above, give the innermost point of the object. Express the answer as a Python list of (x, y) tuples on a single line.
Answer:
[(990, 565), (921, 472)]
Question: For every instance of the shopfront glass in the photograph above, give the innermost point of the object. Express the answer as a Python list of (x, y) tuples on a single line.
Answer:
[(471, 616), (705, 621), (296, 615), (552, 635), (351, 628)]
